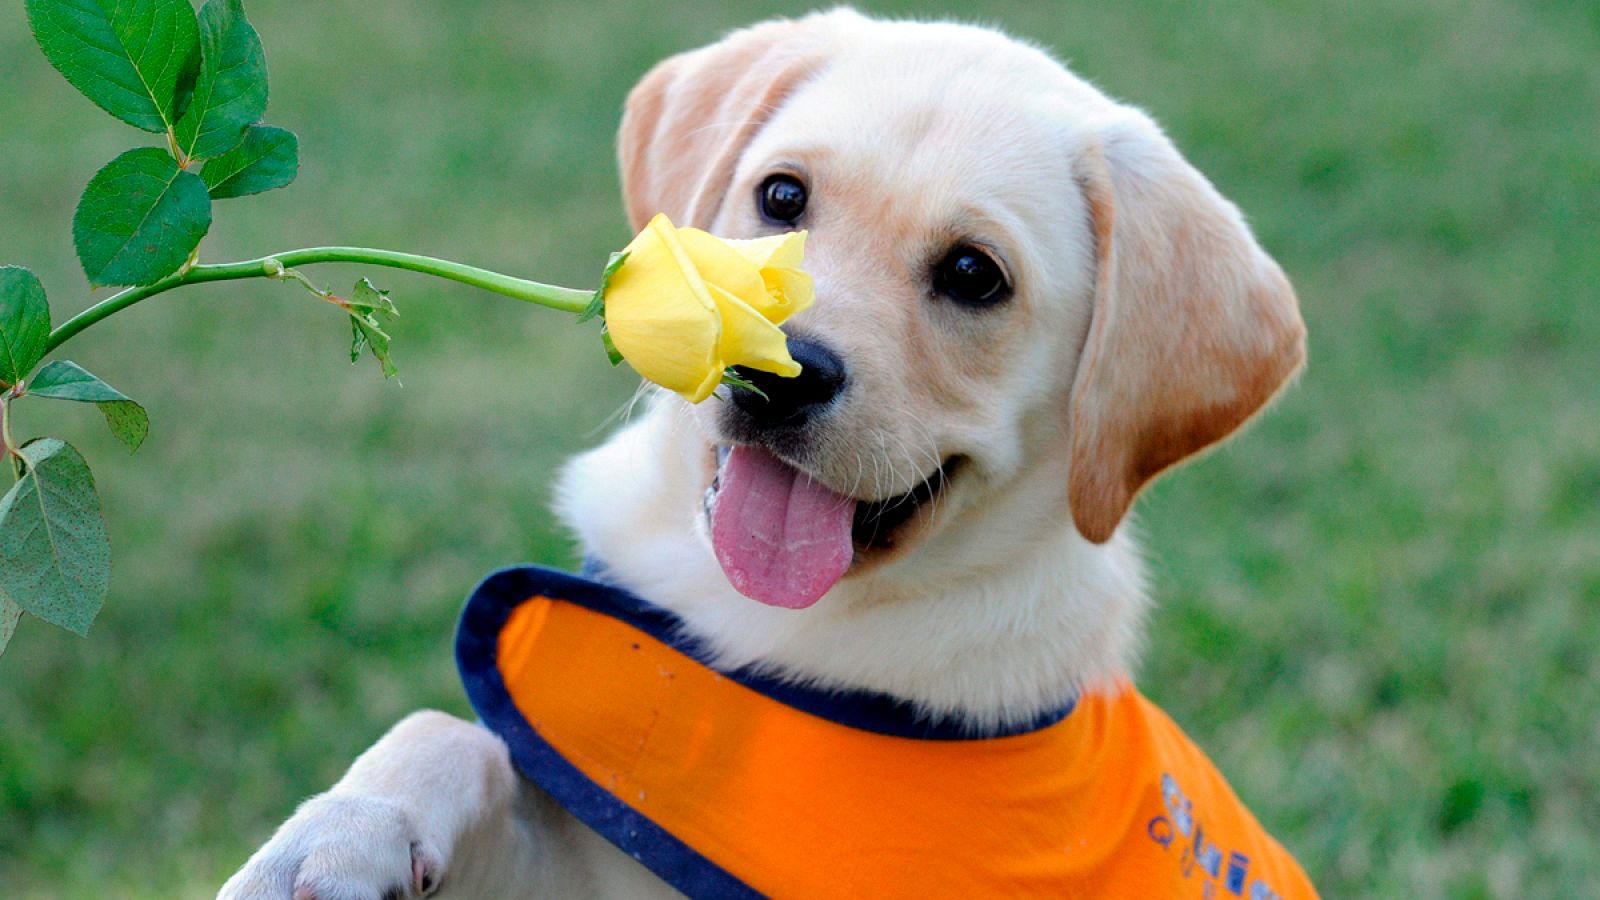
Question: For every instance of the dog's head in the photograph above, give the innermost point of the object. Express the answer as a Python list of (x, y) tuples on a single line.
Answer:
[(1026, 299)]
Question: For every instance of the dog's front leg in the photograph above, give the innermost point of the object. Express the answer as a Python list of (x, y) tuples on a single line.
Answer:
[(433, 807)]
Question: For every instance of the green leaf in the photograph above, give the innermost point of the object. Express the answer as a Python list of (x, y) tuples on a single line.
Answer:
[(231, 93), (64, 380), (365, 296), (365, 332), (55, 558), (267, 158), (185, 91), (9, 614), (612, 353), (596, 308), (365, 304), (139, 219), (128, 56), (24, 323), (597, 303)]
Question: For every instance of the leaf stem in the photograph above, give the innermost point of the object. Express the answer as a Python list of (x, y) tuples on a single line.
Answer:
[(8, 448), (272, 266)]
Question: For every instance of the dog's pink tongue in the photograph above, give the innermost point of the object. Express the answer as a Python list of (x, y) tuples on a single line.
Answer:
[(781, 537)]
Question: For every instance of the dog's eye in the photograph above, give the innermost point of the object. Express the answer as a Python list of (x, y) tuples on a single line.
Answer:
[(782, 199), (971, 277)]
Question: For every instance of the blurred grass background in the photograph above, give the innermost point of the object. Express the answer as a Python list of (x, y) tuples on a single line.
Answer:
[(1378, 609)]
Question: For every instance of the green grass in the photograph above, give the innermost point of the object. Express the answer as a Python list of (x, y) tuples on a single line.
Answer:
[(1378, 609)]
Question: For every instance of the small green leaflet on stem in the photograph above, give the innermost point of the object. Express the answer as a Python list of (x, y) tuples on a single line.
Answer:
[(597, 305), (364, 306), (612, 353), (139, 219), (65, 380), (367, 297), (24, 323), (366, 303), (55, 557)]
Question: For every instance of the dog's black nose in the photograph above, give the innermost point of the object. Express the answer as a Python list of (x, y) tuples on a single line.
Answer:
[(790, 401)]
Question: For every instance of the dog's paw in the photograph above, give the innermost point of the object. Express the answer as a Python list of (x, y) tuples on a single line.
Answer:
[(340, 848)]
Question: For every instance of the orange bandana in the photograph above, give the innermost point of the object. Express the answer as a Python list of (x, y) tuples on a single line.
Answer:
[(735, 784)]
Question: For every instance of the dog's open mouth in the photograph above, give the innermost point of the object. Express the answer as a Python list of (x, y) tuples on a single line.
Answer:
[(785, 539)]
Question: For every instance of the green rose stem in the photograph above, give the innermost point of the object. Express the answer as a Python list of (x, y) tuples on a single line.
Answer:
[(199, 79), (274, 266)]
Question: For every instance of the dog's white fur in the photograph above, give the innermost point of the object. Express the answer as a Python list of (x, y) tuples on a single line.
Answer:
[(1146, 324)]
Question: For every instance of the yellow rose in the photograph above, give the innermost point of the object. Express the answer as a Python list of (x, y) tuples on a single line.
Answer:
[(685, 305)]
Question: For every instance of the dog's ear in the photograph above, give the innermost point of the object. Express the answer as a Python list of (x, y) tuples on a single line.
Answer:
[(688, 121), (1194, 327)]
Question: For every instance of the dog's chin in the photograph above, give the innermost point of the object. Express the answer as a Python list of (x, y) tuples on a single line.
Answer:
[(880, 529)]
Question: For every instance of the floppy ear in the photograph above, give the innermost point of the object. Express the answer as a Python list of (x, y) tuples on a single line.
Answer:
[(687, 122), (1194, 327)]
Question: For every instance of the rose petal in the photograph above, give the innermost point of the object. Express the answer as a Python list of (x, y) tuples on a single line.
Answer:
[(780, 251), (719, 263), (748, 339), (790, 290)]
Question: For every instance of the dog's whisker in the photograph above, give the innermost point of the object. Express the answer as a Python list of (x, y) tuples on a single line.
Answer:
[(861, 472), (623, 413), (930, 449), (639, 394)]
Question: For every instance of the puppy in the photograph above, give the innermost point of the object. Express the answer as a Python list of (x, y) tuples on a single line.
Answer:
[(1028, 306)]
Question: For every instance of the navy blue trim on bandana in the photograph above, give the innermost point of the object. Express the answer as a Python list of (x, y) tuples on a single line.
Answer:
[(477, 646), (477, 657), (864, 710)]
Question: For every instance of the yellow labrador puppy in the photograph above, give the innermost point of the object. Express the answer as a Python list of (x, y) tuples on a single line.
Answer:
[(1028, 306)]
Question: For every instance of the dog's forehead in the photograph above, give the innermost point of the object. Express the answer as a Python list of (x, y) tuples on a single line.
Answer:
[(950, 116), (867, 105)]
